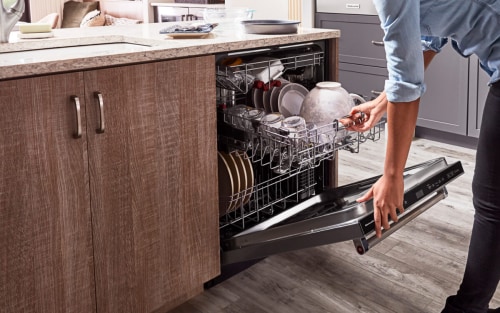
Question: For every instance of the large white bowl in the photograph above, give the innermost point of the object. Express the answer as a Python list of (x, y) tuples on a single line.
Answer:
[(327, 102)]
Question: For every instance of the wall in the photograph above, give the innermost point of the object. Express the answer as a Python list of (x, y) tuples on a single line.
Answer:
[(40, 8)]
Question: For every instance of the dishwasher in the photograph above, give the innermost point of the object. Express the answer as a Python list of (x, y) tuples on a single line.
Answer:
[(288, 198)]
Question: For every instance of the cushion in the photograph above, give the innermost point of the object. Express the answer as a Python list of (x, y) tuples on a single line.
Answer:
[(74, 12), (112, 20), (93, 18)]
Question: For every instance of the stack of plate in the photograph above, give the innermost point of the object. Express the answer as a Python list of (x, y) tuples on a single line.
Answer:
[(236, 181), (286, 99)]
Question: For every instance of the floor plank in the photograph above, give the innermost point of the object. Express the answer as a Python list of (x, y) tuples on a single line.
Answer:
[(414, 270)]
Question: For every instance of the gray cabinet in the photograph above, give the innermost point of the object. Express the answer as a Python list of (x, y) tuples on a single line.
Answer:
[(478, 87), (452, 106), (443, 107), (362, 64)]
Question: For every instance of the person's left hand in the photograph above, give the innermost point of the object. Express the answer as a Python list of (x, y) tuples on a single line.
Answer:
[(388, 195)]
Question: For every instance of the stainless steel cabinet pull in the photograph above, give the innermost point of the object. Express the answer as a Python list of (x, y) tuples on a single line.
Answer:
[(98, 96), (78, 132), (378, 43)]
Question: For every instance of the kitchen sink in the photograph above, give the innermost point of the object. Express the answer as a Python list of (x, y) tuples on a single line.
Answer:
[(70, 52)]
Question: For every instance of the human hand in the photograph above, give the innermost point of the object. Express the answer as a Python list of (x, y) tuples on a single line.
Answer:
[(373, 111), (387, 194)]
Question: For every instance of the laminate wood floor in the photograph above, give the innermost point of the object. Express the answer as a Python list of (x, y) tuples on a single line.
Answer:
[(414, 270)]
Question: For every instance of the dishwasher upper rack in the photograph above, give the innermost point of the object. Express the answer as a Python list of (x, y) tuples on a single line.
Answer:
[(282, 151), (241, 78)]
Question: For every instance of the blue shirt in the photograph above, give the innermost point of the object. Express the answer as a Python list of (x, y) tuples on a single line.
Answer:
[(473, 26)]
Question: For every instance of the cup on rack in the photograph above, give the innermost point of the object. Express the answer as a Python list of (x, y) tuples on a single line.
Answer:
[(269, 130), (252, 117), (295, 129), (235, 115)]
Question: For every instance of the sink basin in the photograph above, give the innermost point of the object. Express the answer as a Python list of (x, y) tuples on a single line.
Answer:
[(64, 53)]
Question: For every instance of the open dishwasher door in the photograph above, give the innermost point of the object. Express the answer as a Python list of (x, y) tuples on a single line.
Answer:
[(335, 216)]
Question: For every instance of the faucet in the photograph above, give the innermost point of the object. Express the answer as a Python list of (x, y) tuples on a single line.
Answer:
[(9, 18)]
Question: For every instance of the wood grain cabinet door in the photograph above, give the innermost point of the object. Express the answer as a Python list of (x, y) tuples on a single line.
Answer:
[(153, 181), (46, 262)]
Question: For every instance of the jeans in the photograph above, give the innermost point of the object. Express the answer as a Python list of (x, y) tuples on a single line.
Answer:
[(482, 271)]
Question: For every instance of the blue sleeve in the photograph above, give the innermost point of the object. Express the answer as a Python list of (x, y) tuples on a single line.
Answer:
[(400, 20), (433, 43)]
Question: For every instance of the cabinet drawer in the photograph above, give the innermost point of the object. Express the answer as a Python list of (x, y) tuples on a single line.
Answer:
[(361, 37), (366, 81)]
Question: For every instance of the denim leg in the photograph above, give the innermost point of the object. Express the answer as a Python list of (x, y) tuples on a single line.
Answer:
[(482, 271)]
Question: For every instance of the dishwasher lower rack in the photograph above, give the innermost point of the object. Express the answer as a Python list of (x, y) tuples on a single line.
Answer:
[(287, 169)]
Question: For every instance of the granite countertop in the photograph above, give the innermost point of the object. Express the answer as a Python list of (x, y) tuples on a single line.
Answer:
[(18, 58)]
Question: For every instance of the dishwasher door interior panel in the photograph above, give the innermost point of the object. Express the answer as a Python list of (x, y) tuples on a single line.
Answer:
[(335, 216)]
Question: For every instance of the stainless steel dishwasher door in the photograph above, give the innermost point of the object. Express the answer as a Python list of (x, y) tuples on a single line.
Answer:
[(335, 216)]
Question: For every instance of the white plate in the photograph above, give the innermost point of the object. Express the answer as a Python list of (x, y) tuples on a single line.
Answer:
[(290, 99), (257, 98), (240, 197), (275, 93), (236, 179), (226, 185), (193, 35), (266, 101), (250, 177)]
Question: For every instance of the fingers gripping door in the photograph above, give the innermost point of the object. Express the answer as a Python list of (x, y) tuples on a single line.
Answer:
[(335, 216)]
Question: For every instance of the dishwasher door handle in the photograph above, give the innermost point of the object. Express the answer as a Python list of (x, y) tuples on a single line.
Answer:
[(366, 243)]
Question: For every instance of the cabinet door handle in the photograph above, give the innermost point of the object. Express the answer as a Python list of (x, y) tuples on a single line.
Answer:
[(378, 43), (78, 132), (100, 102)]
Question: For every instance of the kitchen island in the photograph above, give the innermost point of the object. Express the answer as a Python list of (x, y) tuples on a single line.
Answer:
[(144, 40), (108, 191)]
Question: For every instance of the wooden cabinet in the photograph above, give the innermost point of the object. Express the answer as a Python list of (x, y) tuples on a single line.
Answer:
[(153, 183), (46, 254), (142, 233)]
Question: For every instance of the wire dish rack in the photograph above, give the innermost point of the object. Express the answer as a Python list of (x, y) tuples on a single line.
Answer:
[(288, 166), (288, 163)]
